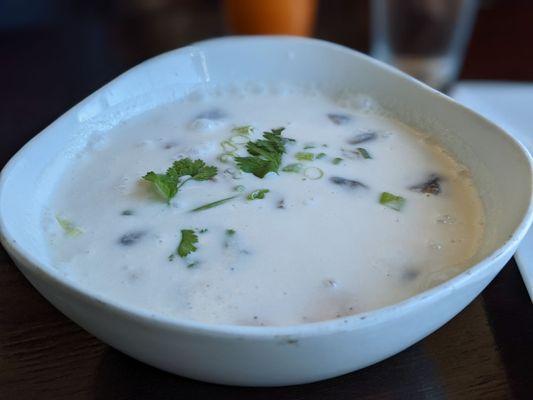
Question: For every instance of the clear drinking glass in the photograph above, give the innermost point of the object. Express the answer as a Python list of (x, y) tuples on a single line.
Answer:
[(424, 38)]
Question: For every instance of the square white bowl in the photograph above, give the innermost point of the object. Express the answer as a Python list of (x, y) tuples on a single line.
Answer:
[(244, 355)]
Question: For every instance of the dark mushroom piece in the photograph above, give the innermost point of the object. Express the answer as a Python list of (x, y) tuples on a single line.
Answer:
[(212, 114), (410, 275), (339, 119), (430, 186), (169, 145), (349, 183), (131, 238), (363, 137)]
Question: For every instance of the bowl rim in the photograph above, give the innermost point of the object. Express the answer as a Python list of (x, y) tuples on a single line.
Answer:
[(346, 323)]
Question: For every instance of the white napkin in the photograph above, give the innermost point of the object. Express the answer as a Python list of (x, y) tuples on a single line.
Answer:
[(510, 105)]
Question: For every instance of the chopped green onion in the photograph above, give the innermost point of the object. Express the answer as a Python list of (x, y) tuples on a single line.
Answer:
[(230, 232), (257, 194), (239, 140), (228, 146), (68, 226), (309, 146), (304, 156), (243, 130), (320, 155), (239, 188), (192, 265), (226, 157), (234, 173), (213, 204), (337, 160), (392, 201), (313, 173), (364, 153), (296, 167)]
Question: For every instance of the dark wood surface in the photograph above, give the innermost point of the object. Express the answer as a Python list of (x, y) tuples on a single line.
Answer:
[(51, 60)]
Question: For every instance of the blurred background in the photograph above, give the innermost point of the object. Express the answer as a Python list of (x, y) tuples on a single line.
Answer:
[(53, 53)]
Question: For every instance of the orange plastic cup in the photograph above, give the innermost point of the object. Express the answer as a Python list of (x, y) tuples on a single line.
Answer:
[(275, 17)]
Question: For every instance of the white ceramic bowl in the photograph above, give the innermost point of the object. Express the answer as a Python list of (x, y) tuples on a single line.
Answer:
[(242, 355)]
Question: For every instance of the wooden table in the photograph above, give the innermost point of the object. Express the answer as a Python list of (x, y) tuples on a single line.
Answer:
[(486, 352)]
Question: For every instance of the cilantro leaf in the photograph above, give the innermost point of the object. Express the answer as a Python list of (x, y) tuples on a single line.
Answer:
[(264, 154), (187, 243), (168, 184), (165, 184), (197, 169)]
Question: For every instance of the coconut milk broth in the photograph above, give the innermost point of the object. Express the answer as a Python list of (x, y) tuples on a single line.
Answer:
[(317, 246)]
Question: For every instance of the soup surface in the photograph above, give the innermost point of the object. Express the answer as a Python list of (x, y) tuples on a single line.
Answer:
[(263, 209)]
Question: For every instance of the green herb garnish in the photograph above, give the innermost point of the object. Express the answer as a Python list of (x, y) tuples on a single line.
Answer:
[(226, 157), (169, 183), (230, 233), (337, 160), (320, 155), (68, 226), (243, 130), (296, 167), (309, 146), (187, 243), (228, 146), (265, 154), (304, 156), (313, 173), (364, 153), (239, 188), (392, 201), (239, 140), (257, 194), (214, 204)]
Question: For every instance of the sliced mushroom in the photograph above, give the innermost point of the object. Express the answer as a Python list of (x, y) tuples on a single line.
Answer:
[(131, 238), (349, 183), (363, 137), (339, 119), (430, 186)]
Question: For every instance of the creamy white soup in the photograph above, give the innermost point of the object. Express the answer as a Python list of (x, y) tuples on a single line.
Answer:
[(263, 209)]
